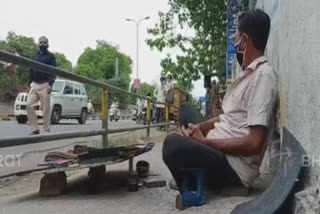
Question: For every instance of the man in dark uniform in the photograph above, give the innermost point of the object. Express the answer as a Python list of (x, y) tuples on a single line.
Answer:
[(40, 87)]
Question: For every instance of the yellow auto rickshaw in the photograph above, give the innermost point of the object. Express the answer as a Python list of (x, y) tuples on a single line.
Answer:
[(177, 97)]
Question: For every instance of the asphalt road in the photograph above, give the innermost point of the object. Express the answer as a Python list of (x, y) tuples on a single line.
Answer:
[(12, 128), (16, 154)]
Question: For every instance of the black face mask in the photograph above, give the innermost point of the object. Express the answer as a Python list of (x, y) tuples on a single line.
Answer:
[(239, 57), (43, 48)]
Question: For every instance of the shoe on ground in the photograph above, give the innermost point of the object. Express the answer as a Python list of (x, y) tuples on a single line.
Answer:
[(35, 132), (179, 202)]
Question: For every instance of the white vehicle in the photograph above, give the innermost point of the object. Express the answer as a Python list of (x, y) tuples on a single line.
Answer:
[(68, 101)]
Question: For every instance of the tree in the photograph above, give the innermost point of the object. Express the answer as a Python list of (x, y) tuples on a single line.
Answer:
[(24, 46), (63, 62), (99, 64), (145, 89), (201, 53)]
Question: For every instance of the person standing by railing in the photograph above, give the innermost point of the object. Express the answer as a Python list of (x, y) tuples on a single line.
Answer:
[(40, 87), (161, 95)]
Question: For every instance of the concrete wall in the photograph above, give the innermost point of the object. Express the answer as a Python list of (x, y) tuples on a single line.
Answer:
[(294, 52)]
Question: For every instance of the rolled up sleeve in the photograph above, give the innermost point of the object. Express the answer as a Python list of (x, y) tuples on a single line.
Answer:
[(262, 100)]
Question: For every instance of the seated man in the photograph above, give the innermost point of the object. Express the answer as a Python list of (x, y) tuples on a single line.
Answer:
[(231, 147)]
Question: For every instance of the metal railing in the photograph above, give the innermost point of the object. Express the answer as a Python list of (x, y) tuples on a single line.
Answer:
[(16, 141)]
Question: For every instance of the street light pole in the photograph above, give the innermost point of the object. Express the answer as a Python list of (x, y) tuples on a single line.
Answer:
[(137, 25), (138, 50)]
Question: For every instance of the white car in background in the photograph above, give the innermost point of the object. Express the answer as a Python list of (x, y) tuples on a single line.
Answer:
[(68, 101)]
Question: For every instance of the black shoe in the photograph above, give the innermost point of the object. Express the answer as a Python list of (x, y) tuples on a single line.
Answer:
[(35, 132)]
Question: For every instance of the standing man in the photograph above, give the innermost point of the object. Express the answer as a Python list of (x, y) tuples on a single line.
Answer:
[(90, 108), (161, 96), (231, 147), (170, 82), (40, 87)]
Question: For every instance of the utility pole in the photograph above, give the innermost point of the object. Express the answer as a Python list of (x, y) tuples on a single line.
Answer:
[(137, 26)]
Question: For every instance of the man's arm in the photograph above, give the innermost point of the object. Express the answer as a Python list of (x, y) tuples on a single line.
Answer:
[(54, 64), (208, 125), (252, 144), (30, 78)]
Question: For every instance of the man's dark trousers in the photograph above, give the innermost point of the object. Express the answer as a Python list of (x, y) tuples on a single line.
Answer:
[(181, 153)]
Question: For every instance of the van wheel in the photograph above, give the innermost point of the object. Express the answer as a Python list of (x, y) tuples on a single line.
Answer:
[(56, 115), (83, 116), (22, 119)]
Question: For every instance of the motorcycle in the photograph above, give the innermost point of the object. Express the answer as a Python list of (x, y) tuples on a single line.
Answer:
[(114, 115), (142, 117)]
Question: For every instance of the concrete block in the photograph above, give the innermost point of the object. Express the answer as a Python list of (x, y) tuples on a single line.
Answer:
[(53, 184), (153, 182)]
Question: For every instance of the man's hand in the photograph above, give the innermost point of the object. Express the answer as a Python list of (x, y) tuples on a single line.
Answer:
[(193, 128), (186, 132), (197, 134), (49, 89)]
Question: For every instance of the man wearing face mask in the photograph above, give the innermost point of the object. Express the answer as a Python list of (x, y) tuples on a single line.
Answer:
[(160, 93), (231, 147), (40, 87)]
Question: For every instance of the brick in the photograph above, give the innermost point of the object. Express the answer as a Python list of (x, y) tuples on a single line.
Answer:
[(53, 184)]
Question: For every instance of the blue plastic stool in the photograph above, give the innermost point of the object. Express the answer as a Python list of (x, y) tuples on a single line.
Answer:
[(188, 197)]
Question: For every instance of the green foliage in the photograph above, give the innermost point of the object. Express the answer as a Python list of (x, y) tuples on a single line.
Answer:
[(63, 62), (202, 53), (24, 46), (189, 56), (99, 64), (145, 89), (120, 98), (10, 86)]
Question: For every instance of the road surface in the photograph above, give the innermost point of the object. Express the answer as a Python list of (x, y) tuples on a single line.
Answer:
[(12, 155), (12, 128)]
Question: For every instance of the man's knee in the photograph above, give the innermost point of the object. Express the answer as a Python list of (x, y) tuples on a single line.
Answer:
[(171, 147)]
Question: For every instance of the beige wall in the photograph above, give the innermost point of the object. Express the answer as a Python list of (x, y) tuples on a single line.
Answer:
[(294, 52)]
